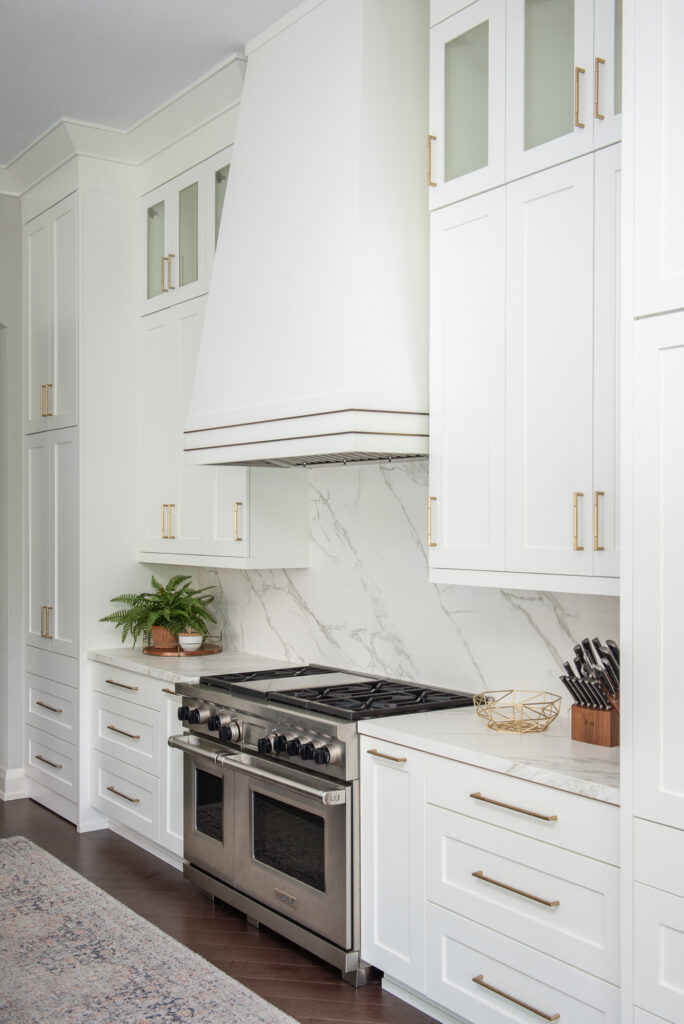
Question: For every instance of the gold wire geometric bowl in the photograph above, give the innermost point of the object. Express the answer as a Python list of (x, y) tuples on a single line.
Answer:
[(517, 710)]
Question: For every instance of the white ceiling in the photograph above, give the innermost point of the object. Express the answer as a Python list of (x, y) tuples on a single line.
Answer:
[(111, 62)]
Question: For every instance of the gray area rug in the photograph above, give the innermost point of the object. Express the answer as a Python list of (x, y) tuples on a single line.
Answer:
[(71, 954)]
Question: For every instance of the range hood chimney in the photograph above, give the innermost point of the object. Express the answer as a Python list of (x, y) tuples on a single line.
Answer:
[(314, 348)]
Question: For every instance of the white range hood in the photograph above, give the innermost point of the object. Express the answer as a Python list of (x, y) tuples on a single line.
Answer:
[(314, 346)]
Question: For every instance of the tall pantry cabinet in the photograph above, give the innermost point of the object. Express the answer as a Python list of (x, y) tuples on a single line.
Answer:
[(80, 464)]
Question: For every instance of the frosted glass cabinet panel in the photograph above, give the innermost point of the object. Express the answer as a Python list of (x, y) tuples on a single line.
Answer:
[(467, 102), (188, 234), (549, 61), (156, 237)]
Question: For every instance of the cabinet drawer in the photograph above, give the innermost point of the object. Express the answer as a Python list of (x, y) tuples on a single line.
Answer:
[(577, 823), (659, 952), (659, 856), (52, 707), (59, 667), (51, 761), (130, 686), (126, 794), (579, 921), (126, 731), (456, 958)]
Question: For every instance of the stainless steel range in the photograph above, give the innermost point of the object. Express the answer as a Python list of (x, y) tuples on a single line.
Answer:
[(271, 770)]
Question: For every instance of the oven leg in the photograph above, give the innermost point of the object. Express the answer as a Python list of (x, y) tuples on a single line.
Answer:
[(253, 921), (360, 976)]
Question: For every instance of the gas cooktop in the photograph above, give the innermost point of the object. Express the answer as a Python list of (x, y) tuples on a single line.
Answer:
[(347, 695)]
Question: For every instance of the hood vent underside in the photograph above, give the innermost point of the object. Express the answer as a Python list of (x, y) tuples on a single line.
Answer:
[(337, 459)]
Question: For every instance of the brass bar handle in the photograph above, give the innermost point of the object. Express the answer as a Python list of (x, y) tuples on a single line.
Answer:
[(431, 543), (511, 888), (576, 546), (48, 608), (163, 287), (39, 757), (388, 757), (597, 63), (512, 807), (42, 400), (131, 799), (578, 72), (124, 686), (597, 495), (165, 689), (430, 140), (47, 399), (170, 535), (479, 980), (163, 530), (42, 617), (122, 732), (236, 507), (170, 287), (41, 704)]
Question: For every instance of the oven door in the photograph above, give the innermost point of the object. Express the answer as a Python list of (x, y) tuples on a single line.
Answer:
[(293, 844), (208, 803)]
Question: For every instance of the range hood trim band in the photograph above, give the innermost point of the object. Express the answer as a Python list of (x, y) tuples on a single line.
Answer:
[(310, 415), (304, 437)]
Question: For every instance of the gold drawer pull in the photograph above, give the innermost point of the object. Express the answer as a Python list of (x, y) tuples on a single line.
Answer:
[(124, 686), (519, 892), (39, 757), (131, 799), (518, 1002), (575, 521), (388, 757), (578, 72), (48, 388), (597, 63), (42, 620), (430, 140), (57, 711), (48, 635), (431, 543), (597, 495), (236, 512), (165, 689), (512, 807), (42, 399), (122, 732)]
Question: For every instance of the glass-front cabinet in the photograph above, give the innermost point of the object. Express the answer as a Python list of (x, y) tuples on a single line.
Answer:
[(182, 219)]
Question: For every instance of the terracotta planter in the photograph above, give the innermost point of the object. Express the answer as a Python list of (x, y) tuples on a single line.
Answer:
[(163, 638)]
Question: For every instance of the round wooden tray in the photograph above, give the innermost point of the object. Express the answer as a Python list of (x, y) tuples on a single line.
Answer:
[(178, 652)]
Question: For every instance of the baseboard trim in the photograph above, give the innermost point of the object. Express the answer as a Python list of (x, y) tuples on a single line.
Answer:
[(12, 783), (55, 802), (147, 844), (420, 1002)]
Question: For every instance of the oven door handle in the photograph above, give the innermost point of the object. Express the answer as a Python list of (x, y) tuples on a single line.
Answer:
[(330, 797)]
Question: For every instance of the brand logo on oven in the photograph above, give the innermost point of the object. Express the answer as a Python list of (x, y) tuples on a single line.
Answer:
[(285, 898)]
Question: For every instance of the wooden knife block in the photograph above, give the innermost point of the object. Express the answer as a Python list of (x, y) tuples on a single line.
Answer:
[(590, 725)]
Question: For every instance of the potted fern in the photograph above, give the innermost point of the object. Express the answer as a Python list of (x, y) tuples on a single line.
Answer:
[(164, 613)]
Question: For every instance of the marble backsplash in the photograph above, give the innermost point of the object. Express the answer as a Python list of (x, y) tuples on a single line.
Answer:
[(366, 603)]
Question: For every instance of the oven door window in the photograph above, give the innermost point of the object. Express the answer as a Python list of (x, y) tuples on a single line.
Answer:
[(209, 805), (289, 840)]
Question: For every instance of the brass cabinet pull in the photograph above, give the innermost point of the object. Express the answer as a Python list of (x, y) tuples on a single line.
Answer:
[(597, 495), (578, 72), (131, 799), (431, 543), (48, 387), (166, 521), (170, 287), (165, 689), (236, 533), (512, 807), (170, 535), (41, 704), (39, 757), (519, 892), (124, 686), (163, 287), (479, 980), (122, 732), (42, 620), (575, 521), (388, 757), (48, 608), (430, 140), (597, 62), (42, 400), (163, 533)]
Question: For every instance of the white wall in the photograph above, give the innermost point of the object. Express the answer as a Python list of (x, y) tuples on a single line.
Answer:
[(11, 492), (366, 602)]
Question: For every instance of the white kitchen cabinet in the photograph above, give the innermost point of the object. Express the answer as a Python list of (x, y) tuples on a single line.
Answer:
[(467, 102), (52, 559), (182, 219), (51, 314), (658, 156), (392, 790), (171, 790)]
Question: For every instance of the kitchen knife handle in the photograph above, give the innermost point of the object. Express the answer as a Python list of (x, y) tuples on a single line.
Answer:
[(511, 807), (597, 495), (575, 521), (479, 980)]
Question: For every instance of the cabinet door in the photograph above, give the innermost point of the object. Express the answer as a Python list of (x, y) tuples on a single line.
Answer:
[(38, 546), (549, 75), (156, 294), (467, 384), (549, 274), (393, 860), (227, 510), (37, 291), (658, 156), (607, 197), (188, 264), (64, 493), (62, 397), (658, 569), (467, 102), (607, 71), (171, 776)]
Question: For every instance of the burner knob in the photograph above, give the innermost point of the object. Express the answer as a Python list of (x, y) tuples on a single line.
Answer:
[(198, 716), (183, 713), (307, 751), (322, 755), (264, 745), (279, 743), (230, 733), (293, 747), (214, 723)]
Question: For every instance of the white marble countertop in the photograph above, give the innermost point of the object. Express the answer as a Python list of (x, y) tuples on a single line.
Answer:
[(183, 669), (550, 758)]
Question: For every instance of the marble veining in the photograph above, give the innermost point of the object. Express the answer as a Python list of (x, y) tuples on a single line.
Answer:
[(182, 669)]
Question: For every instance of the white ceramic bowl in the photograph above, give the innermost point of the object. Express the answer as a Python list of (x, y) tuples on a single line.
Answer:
[(190, 641)]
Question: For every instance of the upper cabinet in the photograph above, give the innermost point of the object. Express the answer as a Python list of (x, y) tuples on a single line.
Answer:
[(518, 87), (51, 317), (181, 223)]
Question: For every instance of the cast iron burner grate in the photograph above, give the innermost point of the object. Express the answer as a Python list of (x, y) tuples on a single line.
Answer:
[(371, 699)]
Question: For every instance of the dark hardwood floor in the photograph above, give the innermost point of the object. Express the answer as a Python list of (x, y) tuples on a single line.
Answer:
[(300, 984)]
